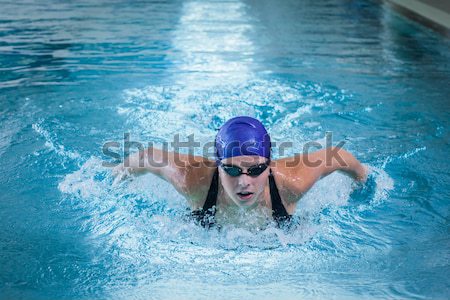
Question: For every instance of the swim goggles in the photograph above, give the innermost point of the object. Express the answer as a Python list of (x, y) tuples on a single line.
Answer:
[(252, 171)]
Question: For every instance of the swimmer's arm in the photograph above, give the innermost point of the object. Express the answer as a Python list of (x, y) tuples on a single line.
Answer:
[(344, 161), (163, 163), (316, 165), (189, 174), (151, 160)]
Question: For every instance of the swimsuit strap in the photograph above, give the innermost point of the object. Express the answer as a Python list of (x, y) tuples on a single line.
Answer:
[(211, 199), (279, 212), (205, 215)]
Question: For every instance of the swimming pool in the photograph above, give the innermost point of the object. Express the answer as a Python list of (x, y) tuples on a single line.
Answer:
[(76, 75)]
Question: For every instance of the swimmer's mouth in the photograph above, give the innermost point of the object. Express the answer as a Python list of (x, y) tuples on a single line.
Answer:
[(245, 195)]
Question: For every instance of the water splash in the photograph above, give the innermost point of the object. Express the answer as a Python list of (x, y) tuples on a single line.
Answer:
[(406, 155), (51, 144), (114, 212), (144, 200)]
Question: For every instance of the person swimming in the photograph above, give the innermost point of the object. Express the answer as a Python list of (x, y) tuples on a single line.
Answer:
[(241, 136), (243, 177)]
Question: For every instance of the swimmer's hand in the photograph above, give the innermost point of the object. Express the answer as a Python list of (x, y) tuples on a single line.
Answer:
[(348, 164), (361, 173), (132, 165), (119, 174)]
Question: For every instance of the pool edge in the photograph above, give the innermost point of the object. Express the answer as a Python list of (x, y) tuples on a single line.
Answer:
[(436, 18)]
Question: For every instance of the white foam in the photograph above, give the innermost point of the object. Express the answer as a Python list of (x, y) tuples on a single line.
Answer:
[(311, 124), (82, 182), (334, 189), (384, 184)]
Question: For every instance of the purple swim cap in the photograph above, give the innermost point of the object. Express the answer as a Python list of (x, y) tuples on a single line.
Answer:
[(242, 136)]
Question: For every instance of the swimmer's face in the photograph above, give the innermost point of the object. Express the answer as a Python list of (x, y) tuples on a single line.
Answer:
[(244, 190)]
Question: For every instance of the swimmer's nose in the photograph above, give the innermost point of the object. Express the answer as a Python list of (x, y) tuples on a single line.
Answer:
[(244, 180)]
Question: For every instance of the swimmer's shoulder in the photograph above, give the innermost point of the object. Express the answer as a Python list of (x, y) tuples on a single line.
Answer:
[(290, 177), (196, 178), (300, 172)]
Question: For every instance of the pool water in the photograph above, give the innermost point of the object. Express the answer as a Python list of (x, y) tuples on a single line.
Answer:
[(75, 75)]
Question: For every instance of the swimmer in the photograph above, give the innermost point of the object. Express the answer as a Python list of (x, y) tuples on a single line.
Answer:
[(244, 177)]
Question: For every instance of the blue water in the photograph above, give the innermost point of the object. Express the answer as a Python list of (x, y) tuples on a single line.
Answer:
[(76, 74)]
